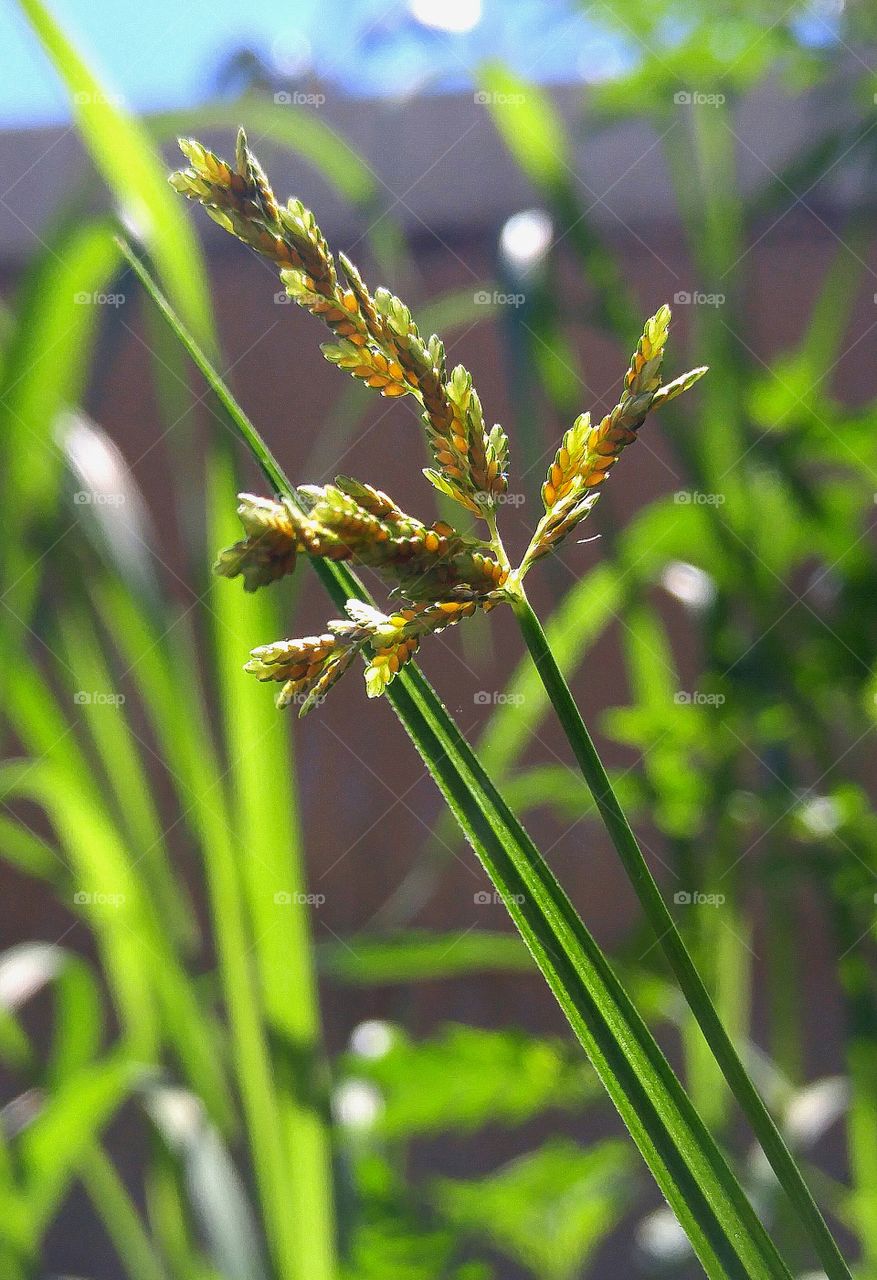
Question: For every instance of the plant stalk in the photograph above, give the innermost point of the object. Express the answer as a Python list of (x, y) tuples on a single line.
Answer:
[(671, 943)]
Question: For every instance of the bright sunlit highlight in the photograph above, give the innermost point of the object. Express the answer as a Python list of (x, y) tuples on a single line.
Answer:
[(447, 15), (689, 584), (372, 1039), (357, 1104), (525, 239)]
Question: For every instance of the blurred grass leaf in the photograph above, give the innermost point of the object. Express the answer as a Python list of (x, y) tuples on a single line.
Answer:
[(121, 151), (548, 1210), (465, 1077), (419, 956), (213, 1186), (72, 1117), (43, 371), (78, 1016), (267, 827)]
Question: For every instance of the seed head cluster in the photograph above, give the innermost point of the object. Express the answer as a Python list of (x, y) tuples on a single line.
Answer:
[(442, 574)]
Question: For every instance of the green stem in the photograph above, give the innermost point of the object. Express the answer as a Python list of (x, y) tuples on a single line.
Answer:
[(671, 943), (120, 1217), (496, 540), (857, 983)]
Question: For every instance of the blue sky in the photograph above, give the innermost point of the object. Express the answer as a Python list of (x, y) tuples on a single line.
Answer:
[(164, 53), (167, 53)]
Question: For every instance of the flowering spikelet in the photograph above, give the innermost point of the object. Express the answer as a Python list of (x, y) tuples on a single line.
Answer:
[(588, 452), (369, 366), (353, 521), (309, 667), (269, 550), (427, 562), (242, 202), (471, 463), (377, 340), (397, 638), (238, 198), (372, 500)]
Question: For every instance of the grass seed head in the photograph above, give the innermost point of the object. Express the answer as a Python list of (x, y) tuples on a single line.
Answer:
[(443, 574), (589, 451)]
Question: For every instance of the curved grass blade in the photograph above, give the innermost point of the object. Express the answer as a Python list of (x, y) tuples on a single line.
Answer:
[(42, 371), (169, 685), (273, 880), (63, 1132), (210, 1184), (121, 151), (420, 956), (77, 1022)]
